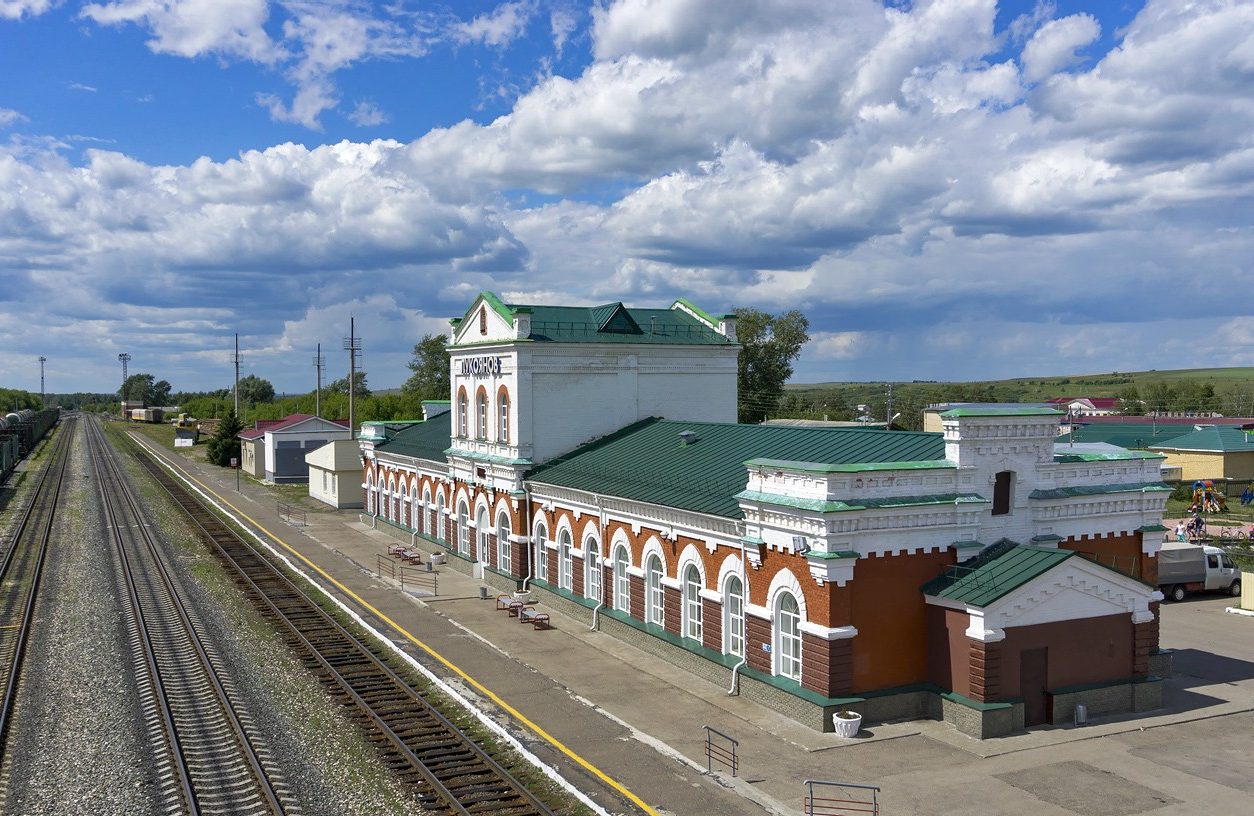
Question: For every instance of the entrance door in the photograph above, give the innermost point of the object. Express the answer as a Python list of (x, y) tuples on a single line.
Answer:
[(1033, 682)]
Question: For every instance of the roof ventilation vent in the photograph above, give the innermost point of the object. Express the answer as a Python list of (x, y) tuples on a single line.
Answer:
[(686, 438)]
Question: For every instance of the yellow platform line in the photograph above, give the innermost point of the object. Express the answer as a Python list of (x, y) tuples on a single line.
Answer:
[(453, 667)]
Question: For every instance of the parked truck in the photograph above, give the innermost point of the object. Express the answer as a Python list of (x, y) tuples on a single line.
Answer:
[(1185, 568)]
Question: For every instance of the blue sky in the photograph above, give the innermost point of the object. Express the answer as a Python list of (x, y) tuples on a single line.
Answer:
[(956, 189)]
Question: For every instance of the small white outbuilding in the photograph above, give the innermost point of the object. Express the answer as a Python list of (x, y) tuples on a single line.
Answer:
[(335, 474)]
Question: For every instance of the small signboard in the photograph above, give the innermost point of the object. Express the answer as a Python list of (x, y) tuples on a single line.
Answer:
[(184, 443), (234, 462)]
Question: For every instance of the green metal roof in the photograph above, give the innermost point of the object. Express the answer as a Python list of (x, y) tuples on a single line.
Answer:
[(1064, 455), (1007, 409), (647, 461), (994, 573), (1098, 490), (421, 440), (1123, 434), (609, 323), (1217, 439)]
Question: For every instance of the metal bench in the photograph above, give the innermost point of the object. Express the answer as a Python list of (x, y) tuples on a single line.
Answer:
[(538, 620)]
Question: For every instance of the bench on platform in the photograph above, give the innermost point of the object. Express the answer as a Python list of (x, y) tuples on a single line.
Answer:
[(538, 620)]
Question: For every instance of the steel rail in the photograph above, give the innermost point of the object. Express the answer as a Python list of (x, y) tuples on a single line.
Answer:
[(463, 778), (176, 616), (45, 497)]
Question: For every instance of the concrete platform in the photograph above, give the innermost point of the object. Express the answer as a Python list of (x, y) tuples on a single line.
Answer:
[(622, 725)]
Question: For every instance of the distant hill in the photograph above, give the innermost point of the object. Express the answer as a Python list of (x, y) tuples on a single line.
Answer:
[(1229, 391)]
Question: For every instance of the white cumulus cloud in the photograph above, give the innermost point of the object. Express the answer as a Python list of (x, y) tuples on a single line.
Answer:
[(1054, 44)]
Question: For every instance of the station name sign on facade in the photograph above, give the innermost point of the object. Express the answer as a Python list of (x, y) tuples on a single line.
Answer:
[(480, 367)]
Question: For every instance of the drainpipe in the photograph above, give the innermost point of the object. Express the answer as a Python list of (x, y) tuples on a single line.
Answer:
[(531, 564), (744, 580), (596, 612)]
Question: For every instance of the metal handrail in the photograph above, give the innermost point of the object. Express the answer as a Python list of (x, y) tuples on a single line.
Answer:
[(833, 806), (728, 756)]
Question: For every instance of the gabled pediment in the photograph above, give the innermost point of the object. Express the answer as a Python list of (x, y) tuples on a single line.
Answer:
[(613, 318), (488, 319)]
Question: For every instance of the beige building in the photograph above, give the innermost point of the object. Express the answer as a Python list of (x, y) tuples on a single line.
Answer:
[(1212, 452), (335, 474)]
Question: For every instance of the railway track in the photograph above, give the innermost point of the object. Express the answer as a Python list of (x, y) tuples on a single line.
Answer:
[(211, 759), (21, 569), (450, 773)]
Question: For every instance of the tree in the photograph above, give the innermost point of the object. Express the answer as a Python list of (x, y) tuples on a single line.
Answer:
[(224, 444), (429, 363), (769, 344), (143, 388), (254, 390), (340, 386), (1130, 402)]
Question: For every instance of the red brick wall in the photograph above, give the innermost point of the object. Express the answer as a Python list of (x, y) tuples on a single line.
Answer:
[(948, 662), (758, 633), (1120, 552), (637, 596), (576, 576), (827, 665), (670, 605), (1094, 650), (891, 617), (712, 624)]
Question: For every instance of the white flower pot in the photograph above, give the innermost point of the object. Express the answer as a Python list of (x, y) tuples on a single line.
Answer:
[(847, 727)]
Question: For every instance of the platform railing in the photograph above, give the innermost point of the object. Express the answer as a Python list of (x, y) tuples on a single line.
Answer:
[(840, 798), (722, 749)]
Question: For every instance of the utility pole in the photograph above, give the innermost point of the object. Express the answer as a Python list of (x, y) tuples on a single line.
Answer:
[(888, 414), (237, 374), (43, 403), (320, 363), (352, 344)]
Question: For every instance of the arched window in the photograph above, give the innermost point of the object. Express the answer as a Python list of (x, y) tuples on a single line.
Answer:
[(502, 433), (692, 602), (734, 616), (482, 529), (504, 558), (463, 409), (622, 581), (592, 568), (542, 552), (439, 517), (397, 492), (426, 510), (463, 529), (481, 415), (564, 561), (386, 504), (787, 637), (416, 514), (370, 494), (653, 590)]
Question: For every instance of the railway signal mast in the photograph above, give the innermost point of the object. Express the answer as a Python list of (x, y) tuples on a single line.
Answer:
[(43, 402)]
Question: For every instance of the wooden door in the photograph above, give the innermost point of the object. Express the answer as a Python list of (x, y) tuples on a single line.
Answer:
[(1033, 683)]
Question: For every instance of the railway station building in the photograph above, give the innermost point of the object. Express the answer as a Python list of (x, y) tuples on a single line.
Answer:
[(979, 575)]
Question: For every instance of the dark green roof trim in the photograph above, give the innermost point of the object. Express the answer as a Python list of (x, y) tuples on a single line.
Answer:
[(976, 705), (824, 506), (752, 540), (437, 402), (819, 467), (832, 556), (1119, 456), (1152, 528), (497, 306), (1047, 538), (999, 411), (967, 545), (487, 457), (1099, 490), (698, 311), (994, 573)]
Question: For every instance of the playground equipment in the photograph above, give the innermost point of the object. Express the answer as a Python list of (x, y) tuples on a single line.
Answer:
[(1206, 499)]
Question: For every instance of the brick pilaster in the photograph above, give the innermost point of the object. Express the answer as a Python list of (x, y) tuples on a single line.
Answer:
[(712, 624), (637, 596), (984, 661), (671, 609), (827, 665)]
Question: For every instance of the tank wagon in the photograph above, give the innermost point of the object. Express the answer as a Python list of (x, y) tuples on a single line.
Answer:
[(28, 427), (10, 451)]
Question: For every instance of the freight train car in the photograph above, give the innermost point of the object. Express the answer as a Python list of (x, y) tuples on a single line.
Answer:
[(146, 415), (20, 431)]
